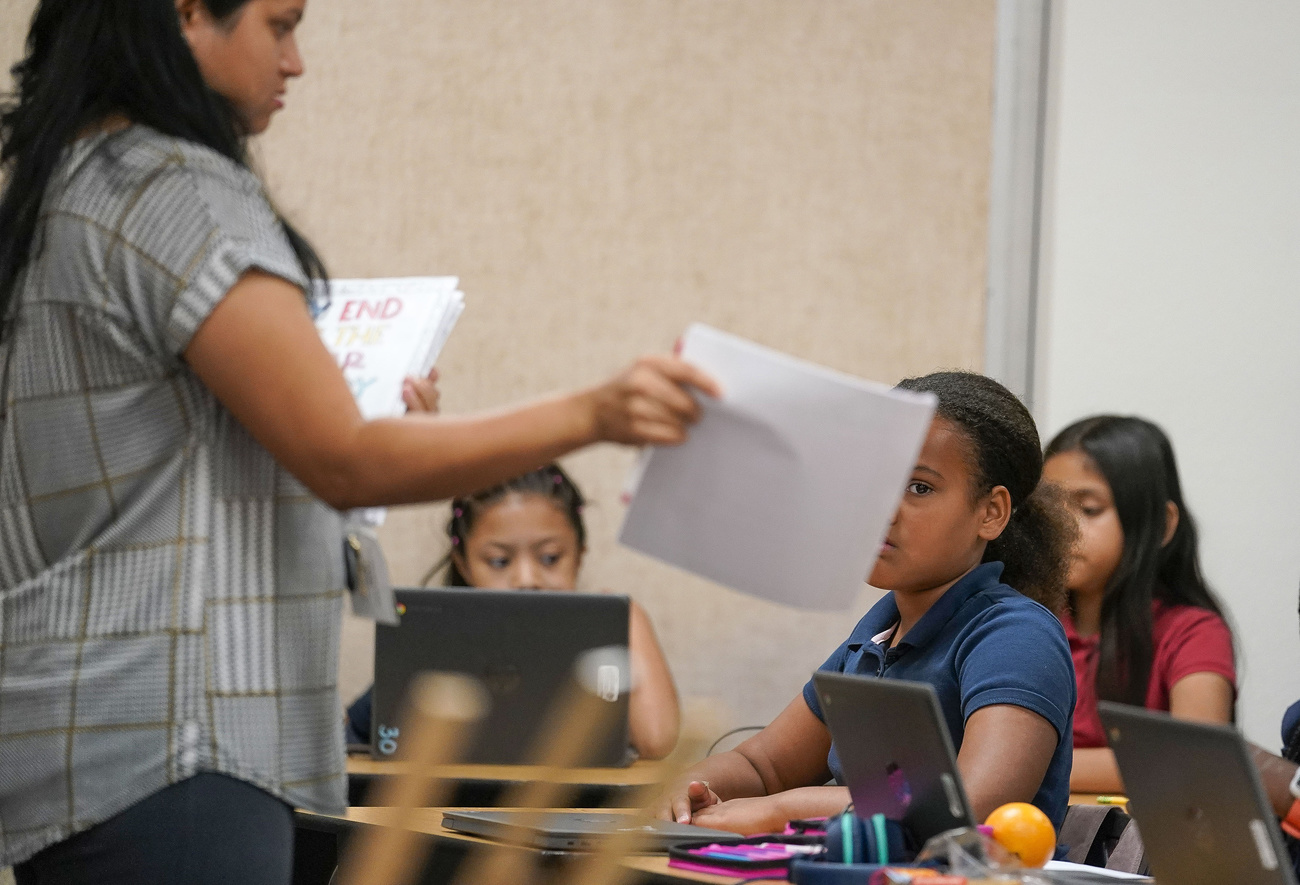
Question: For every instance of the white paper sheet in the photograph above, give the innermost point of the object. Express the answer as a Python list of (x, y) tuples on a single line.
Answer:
[(1062, 866), (787, 485)]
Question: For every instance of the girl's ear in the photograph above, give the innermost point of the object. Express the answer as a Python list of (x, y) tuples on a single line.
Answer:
[(1171, 522), (187, 11), (197, 25), (996, 513), (458, 560)]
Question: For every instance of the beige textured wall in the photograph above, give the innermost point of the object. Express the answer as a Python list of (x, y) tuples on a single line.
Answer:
[(812, 175)]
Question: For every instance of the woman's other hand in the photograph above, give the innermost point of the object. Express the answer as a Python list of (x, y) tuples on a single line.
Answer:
[(650, 402), (421, 394)]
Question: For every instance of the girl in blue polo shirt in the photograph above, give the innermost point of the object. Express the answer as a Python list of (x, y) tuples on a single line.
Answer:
[(974, 523)]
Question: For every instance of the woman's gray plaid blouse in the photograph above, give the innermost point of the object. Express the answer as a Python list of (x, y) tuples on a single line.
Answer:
[(169, 596)]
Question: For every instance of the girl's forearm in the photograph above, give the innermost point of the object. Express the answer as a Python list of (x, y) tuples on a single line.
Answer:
[(805, 802), (728, 774), (1275, 773), (1095, 771), (654, 715)]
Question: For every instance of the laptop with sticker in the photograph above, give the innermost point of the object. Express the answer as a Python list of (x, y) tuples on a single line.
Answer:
[(895, 751), (523, 645)]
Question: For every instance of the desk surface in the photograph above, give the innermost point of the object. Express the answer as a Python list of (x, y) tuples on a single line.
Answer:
[(638, 774)]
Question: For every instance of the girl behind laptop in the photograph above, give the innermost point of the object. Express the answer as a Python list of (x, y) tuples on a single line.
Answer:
[(1143, 625), (528, 534)]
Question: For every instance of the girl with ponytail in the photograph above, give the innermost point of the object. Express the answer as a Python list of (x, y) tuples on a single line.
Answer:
[(1144, 626), (175, 447), (974, 564)]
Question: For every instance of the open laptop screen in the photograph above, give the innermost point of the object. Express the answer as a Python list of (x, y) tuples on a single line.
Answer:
[(895, 751), (1194, 792), (523, 646)]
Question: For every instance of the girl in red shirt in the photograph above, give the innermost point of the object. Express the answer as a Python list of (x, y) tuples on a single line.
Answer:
[(1143, 625)]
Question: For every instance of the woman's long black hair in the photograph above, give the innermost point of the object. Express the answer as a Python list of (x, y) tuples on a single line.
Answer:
[(87, 59), (1137, 461), (1035, 546)]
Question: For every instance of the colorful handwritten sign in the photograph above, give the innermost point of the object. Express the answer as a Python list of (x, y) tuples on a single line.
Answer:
[(380, 331)]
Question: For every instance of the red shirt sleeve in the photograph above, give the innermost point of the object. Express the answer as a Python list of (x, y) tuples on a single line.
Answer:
[(1187, 640)]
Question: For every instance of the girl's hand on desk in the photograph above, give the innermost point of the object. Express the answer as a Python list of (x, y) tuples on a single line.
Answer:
[(681, 805), (748, 816), (421, 394), (649, 403)]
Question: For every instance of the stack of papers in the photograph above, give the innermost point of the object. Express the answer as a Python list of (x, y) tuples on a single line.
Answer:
[(787, 485), (380, 331)]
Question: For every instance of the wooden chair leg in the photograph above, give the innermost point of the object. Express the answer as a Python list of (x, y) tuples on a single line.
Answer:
[(441, 712)]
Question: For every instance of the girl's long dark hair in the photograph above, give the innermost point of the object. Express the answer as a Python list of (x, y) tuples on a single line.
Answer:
[(1034, 548), (1137, 461), (87, 59), (550, 482)]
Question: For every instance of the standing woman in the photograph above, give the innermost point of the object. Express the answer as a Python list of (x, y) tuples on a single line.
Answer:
[(176, 444)]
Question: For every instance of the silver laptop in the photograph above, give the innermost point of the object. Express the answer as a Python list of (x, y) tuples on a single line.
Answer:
[(577, 830), (895, 751), (524, 646), (1196, 795)]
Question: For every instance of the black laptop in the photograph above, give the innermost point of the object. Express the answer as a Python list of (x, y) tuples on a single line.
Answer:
[(525, 646), (895, 751), (1196, 796)]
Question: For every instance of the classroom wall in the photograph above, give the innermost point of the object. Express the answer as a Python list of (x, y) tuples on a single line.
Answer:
[(1171, 275), (810, 175)]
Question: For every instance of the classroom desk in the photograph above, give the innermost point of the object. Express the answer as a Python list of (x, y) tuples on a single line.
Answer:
[(320, 838), (487, 785)]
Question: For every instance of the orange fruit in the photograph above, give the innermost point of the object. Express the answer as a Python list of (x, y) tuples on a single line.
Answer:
[(1025, 831)]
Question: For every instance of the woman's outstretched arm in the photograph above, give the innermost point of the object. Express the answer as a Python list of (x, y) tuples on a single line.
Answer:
[(259, 353)]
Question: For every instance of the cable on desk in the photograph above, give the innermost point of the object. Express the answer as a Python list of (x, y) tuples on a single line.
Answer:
[(714, 745)]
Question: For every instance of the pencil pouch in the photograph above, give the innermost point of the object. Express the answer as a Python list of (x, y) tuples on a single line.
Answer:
[(748, 858)]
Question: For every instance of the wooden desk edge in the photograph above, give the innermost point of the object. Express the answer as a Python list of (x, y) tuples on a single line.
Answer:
[(638, 774)]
